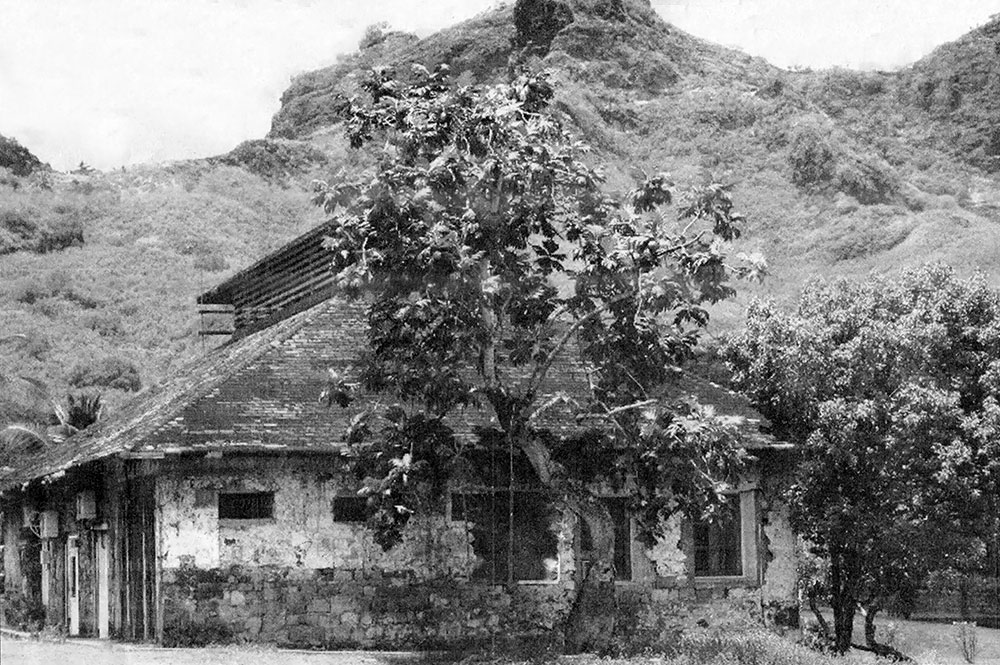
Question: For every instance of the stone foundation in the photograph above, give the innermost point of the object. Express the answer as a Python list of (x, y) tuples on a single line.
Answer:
[(332, 609), (328, 608)]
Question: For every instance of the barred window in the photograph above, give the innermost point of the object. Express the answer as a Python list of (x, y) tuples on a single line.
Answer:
[(535, 534)]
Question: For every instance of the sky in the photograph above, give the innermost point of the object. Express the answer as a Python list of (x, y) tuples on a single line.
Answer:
[(120, 82)]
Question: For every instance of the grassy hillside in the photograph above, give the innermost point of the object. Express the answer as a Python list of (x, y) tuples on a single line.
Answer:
[(113, 310), (838, 172)]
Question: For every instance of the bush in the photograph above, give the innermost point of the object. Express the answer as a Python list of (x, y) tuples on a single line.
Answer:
[(867, 179), (753, 647), (22, 230), (109, 373), (812, 159), (55, 284), (274, 160), (23, 613)]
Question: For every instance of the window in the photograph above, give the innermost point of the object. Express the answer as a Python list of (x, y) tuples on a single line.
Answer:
[(718, 543), (246, 506), (622, 523), (350, 509), (535, 534)]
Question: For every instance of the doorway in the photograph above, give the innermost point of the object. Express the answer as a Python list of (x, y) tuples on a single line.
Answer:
[(73, 585)]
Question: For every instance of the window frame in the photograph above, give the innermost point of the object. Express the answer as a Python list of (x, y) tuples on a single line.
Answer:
[(749, 544), (637, 572), (452, 493), (245, 521)]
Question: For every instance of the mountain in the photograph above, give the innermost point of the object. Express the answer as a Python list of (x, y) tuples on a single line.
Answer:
[(838, 172)]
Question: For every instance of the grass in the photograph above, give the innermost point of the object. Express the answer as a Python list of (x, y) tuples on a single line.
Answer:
[(932, 643), (154, 238)]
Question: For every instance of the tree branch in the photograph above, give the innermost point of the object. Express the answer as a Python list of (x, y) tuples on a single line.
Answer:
[(543, 367)]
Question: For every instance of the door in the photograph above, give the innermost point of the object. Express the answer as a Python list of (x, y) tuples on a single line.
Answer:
[(73, 585), (101, 566), (139, 562)]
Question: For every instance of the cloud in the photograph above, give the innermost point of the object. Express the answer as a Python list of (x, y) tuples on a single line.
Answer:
[(868, 34), (113, 82)]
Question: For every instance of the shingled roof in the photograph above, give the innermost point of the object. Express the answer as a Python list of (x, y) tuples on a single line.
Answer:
[(260, 393)]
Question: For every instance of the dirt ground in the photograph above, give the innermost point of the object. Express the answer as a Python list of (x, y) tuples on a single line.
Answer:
[(928, 643), (15, 651)]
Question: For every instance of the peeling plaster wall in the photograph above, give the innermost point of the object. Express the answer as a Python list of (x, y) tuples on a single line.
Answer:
[(668, 556), (781, 571), (303, 579), (302, 534)]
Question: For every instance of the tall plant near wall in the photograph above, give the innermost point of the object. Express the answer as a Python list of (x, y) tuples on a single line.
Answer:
[(488, 253)]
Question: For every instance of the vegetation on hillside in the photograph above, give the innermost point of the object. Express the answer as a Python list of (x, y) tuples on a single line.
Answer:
[(841, 171), (17, 159), (113, 309)]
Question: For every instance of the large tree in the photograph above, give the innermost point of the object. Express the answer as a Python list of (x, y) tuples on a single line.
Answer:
[(488, 252), (892, 385)]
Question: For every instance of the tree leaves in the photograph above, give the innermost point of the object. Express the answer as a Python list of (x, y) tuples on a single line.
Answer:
[(488, 253), (890, 382)]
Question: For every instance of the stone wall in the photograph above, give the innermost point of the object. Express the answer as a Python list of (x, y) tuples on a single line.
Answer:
[(331, 608)]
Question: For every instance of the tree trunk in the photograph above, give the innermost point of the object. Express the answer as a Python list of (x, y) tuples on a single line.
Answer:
[(843, 603), (812, 595), (870, 627), (591, 619), (873, 645)]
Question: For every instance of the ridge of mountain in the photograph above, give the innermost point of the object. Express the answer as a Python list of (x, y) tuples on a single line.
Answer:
[(839, 172)]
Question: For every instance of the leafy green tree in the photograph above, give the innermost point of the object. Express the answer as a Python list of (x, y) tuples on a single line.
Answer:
[(893, 386), (487, 252)]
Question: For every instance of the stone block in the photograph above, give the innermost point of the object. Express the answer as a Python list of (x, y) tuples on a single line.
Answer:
[(306, 635), (318, 606), (237, 598), (349, 619)]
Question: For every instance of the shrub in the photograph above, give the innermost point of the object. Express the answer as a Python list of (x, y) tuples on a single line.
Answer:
[(23, 230), (55, 284), (108, 372), (374, 34), (752, 647), (867, 179), (965, 636), (812, 159), (274, 159), (23, 613)]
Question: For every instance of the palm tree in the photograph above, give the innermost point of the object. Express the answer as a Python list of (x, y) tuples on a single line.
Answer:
[(34, 420)]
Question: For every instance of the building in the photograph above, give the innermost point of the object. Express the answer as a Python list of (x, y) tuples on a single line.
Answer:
[(217, 508)]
